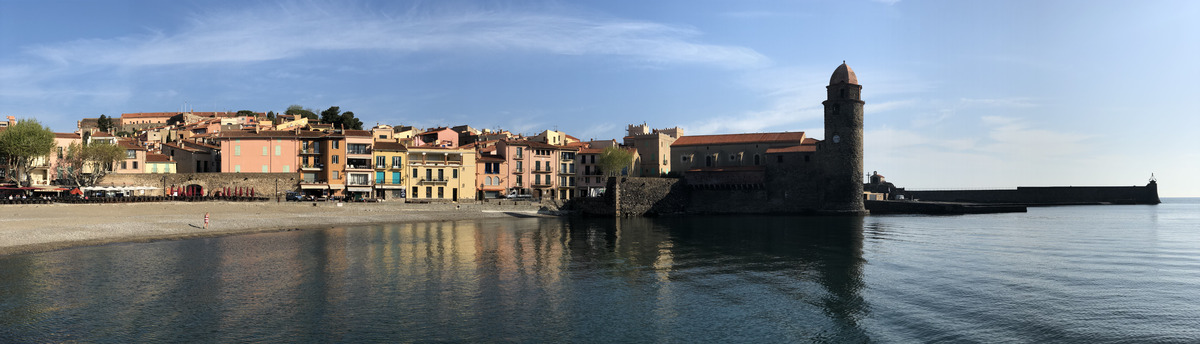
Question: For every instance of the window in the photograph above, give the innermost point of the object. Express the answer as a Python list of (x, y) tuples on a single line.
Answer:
[(756, 160), (237, 168), (265, 151), (441, 192), (520, 164), (287, 168), (380, 161), (396, 162), (414, 193), (383, 136), (519, 151), (537, 165), (454, 172), (357, 179), (60, 152), (130, 154), (429, 174), (415, 174), (441, 174), (379, 177), (428, 192), (337, 144), (124, 165), (278, 150), (154, 168), (265, 169), (708, 161), (336, 159), (537, 179), (135, 165), (337, 175), (395, 177)]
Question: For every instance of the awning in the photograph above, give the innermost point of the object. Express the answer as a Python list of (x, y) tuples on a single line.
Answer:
[(359, 189), (313, 187)]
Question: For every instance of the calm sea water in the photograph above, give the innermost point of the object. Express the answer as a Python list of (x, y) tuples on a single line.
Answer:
[(1083, 274)]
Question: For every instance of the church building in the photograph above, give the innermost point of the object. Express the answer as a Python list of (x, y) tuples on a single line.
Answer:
[(783, 172)]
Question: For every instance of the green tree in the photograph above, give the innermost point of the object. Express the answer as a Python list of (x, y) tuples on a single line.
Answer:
[(86, 165), (300, 111), (24, 143), (333, 115), (105, 123), (271, 117), (613, 160), (246, 113)]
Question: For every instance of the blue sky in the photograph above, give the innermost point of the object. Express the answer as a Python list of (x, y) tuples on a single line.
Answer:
[(959, 93)]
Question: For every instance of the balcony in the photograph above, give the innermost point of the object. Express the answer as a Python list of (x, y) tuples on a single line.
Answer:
[(310, 151), (432, 182), (541, 184), (365, 151), (545, 170), (355, 167), (384, 182), (312, 167)]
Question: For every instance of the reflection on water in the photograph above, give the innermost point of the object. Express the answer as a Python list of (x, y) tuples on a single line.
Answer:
[(578, 280)]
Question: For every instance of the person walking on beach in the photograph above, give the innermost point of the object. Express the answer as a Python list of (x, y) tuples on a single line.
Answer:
[(205, 220)]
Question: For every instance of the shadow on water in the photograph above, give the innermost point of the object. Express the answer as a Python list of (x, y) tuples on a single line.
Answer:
[(711, 279), (779, 264)]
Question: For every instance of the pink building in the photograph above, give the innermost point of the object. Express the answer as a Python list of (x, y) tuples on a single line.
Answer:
[(261, 152), (135, 158), (437, 137)]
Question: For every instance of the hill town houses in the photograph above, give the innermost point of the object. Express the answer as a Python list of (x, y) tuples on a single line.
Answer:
[(385, 162)]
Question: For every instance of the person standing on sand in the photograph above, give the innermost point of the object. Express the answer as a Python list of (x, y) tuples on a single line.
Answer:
[(205, 220)]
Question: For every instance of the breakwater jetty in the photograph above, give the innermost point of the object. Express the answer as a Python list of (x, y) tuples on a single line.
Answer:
[(1044, 195)]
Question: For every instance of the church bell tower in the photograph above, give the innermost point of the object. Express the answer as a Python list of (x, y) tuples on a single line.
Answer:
[(843, 145)]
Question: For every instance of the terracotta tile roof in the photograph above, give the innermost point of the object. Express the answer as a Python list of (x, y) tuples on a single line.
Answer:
[(728, 139), (102, 134), (66, 136), (127, 144), (266, 134), (793, 149), (151, 157), (489, 159), (390, 146), (366, 133), (148, 114), (591, 150)]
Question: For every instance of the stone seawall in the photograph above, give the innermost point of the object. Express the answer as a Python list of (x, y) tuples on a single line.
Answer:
[(650, 196), (1050, 195), (264, 184)]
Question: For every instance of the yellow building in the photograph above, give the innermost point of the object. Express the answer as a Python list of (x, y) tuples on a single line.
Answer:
[(389, 170), (158, 163), (440, 174)]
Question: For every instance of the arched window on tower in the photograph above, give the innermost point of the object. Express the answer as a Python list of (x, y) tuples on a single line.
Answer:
[(756, 160), (843, 93)]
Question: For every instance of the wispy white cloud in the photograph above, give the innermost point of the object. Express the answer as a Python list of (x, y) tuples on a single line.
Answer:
[(298, 29)]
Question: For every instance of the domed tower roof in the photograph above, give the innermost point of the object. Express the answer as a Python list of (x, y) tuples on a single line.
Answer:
[(843, 74)]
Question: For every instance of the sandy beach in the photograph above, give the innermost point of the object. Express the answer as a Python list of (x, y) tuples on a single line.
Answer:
[(39, 228)]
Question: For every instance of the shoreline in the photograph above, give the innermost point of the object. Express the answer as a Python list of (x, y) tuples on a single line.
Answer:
[(51, 227)]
